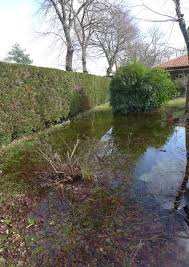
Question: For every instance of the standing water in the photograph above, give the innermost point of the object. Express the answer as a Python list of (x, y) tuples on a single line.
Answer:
[(133, 213)]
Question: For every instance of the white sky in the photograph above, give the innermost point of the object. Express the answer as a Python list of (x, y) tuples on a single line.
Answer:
[(171, 29), (19, 23)]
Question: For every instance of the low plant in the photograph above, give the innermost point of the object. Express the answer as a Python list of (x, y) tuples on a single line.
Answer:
[(67, 168)]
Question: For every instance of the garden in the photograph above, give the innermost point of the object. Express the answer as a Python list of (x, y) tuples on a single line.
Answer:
[(92, 169)]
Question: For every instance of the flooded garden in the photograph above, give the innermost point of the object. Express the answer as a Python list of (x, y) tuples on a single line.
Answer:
[(94, 134), (126, 206)]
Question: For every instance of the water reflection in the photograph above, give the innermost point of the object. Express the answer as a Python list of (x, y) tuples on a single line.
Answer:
[(134, 134), (160, 170), (105, 224), (182, 195)]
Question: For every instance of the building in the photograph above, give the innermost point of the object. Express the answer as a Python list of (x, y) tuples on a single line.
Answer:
[(178, 69), (179, 65)]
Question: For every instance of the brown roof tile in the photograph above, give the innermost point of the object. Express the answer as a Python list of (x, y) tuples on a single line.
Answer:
[(176, 62)]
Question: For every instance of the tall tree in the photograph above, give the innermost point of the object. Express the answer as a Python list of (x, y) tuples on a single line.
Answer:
[(18, 55), (185, 32), (115, 30), (85, 25), (62, 14), (149, 49)]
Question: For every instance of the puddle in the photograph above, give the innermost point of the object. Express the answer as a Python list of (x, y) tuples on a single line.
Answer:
[(161, 170), (126, 217)]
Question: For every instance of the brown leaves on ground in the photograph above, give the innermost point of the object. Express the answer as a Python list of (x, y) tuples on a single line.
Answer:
[(15, 226), (83, 223)]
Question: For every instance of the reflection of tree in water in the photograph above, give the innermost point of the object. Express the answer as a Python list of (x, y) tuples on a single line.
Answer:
[(135, 133), (183, 191)]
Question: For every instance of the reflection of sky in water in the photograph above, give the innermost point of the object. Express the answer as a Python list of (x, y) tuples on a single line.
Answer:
[(107, 136), (106, 144), (158, 171), (162, 170)]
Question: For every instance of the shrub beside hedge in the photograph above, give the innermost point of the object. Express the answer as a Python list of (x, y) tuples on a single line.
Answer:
[(135, 88), (32, 98)]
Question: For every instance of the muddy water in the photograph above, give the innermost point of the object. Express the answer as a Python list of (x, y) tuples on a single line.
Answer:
[(125, 218)]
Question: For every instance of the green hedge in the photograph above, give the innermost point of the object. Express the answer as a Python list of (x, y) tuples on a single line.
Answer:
[(32, 98)]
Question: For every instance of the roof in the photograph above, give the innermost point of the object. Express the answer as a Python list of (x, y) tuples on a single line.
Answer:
[(178, 62)]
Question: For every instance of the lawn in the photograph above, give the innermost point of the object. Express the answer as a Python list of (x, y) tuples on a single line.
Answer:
[(175, 107)]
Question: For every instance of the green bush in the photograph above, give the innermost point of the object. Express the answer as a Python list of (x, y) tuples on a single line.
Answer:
[(135, 88), (32, 98)]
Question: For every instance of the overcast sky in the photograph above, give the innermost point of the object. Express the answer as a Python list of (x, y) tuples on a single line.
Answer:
[(19, 23)]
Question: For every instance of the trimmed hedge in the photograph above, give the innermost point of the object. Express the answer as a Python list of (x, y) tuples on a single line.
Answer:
[(32, 98)]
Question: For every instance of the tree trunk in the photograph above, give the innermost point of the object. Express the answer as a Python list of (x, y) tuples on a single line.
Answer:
[(183, 186), (187, 100), (84, 60), (69, 58), (109, 70), (185, 33), (187, 96)]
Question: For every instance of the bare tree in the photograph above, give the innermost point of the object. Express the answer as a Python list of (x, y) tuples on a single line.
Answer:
[(62, 14), (115, 30), (156, 50), (150, 49), (85, 25), (185, 33)]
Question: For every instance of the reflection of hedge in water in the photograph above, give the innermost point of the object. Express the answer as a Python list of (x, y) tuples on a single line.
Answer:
[(25, 157), (90, 127), (135, 133), (131, 134), (33, 98)]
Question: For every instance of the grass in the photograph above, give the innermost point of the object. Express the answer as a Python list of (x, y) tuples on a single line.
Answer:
[(103, 107), (176, 107), (177, 103)]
